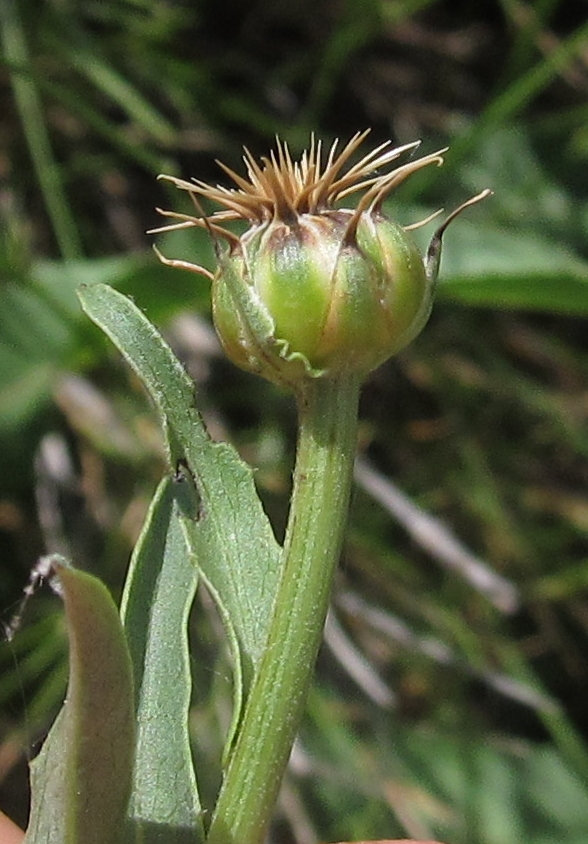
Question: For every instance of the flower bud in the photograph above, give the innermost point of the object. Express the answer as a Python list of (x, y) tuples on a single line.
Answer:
[(312, 290)]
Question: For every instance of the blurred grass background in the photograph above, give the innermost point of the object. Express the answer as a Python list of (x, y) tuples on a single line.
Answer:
[(451, 694)]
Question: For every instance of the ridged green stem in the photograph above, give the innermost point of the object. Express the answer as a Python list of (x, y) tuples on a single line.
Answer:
[(318, 513)]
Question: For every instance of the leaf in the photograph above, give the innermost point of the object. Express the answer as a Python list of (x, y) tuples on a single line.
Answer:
[(488, 267), (232, 540), (163, 291), (34, 340), (160, 587), (81, 779), (42, 329)]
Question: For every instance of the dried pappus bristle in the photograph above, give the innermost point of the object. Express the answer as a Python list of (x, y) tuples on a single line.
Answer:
[(279, 188)]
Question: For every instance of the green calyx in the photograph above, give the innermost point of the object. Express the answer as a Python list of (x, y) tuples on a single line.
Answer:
[(306, 300), (312, 290)]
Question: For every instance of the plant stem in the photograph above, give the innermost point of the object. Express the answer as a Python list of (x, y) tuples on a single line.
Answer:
[(316, 524)]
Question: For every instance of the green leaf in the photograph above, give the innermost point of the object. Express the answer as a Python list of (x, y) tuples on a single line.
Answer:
[(486, 267), (232, 540), (43, 331), (160, 587), (34, 340), (163, 291), (81, 779), (86, 59), (13, 37)]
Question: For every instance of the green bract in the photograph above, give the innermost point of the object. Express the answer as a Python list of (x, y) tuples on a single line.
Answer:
[(311, 289), (334, 306)]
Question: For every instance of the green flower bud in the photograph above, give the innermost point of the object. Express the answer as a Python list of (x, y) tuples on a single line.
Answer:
[(312, 290)]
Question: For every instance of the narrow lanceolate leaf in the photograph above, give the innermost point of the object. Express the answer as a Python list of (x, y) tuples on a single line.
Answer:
[(81, 780), (160, 587), (232, 539)]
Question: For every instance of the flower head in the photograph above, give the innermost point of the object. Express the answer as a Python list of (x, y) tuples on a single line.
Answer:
[(311, 289)]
